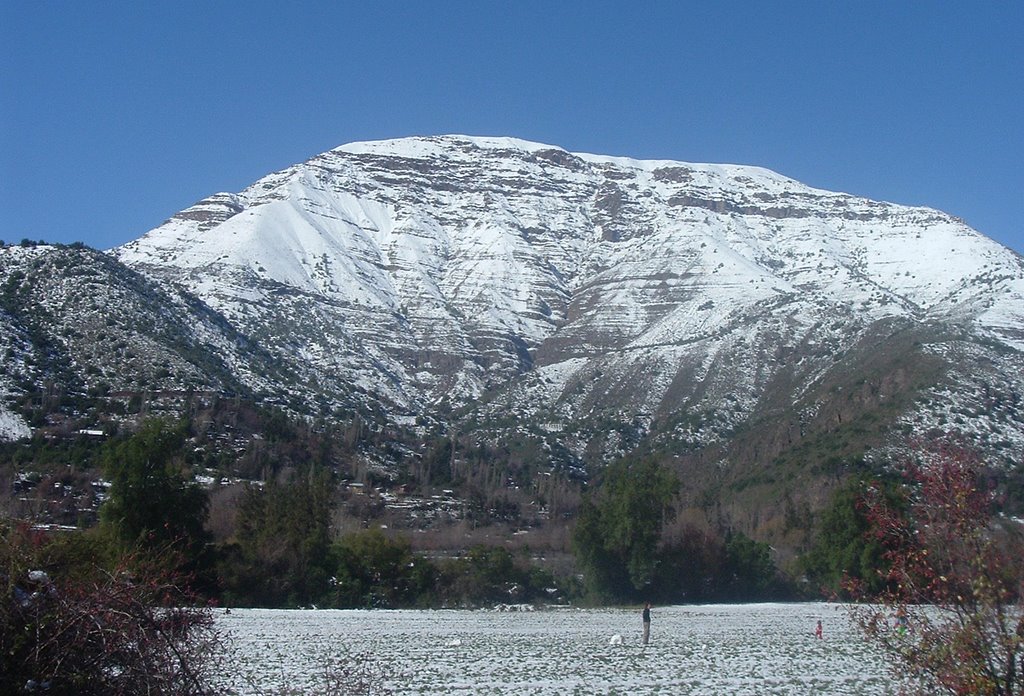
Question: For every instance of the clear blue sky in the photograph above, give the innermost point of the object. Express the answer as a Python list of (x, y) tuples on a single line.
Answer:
[(114, 115)]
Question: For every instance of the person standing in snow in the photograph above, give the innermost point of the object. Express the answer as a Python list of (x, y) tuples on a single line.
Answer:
[(647, 622), (817, 630)]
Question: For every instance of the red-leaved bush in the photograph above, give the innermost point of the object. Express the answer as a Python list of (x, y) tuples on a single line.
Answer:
[(951, 614)]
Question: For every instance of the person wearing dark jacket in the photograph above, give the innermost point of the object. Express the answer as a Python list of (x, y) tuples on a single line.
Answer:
[(647, 622)]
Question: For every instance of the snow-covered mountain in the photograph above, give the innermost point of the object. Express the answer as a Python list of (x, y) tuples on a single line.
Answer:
[(593, 305), (571, 289)]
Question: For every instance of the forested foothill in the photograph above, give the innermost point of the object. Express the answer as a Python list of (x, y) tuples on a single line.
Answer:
[(264, 509)]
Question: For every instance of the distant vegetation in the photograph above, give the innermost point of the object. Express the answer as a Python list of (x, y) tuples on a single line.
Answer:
[(295, 514), (270, 537), (631, 546), (271, 510)]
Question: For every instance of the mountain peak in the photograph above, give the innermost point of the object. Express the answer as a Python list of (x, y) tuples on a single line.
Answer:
[(422, 147)]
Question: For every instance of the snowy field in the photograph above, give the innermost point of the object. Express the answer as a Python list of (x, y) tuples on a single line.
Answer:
[(708, 649)]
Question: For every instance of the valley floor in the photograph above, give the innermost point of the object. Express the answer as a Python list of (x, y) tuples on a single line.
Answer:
[(703, 649)]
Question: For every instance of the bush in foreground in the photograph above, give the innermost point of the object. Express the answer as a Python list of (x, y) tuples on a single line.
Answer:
[(125, 629), (952, 613)]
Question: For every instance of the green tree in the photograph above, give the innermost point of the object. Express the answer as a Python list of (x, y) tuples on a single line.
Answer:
[(750, 573), (375, 571), (618, 530), (690, 566), (843, 550), (153, 501), (280, 553), (488, 574)]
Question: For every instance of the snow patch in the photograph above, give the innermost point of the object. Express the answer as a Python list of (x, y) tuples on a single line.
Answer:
[(13, 427)]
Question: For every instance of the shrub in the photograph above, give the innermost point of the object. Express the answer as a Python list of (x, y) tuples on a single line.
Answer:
[(375, 571), (70, 629), (954, 581)]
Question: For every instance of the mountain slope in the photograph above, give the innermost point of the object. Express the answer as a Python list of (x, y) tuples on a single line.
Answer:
[(77, 325)]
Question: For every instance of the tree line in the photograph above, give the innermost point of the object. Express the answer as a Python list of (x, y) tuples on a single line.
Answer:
[(631, 549), (282, 552), (277, 549)]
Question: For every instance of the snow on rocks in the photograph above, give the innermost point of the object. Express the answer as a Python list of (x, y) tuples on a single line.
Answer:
[(12, 426)]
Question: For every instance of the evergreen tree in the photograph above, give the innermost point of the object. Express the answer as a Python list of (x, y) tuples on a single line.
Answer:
[(153, 501), (280, 554), (618, 530), (750, 573), (843, 550), (375, 571)]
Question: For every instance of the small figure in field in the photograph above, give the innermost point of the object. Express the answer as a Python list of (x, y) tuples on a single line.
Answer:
[(647, 622), (817, 630), (902, 623)]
